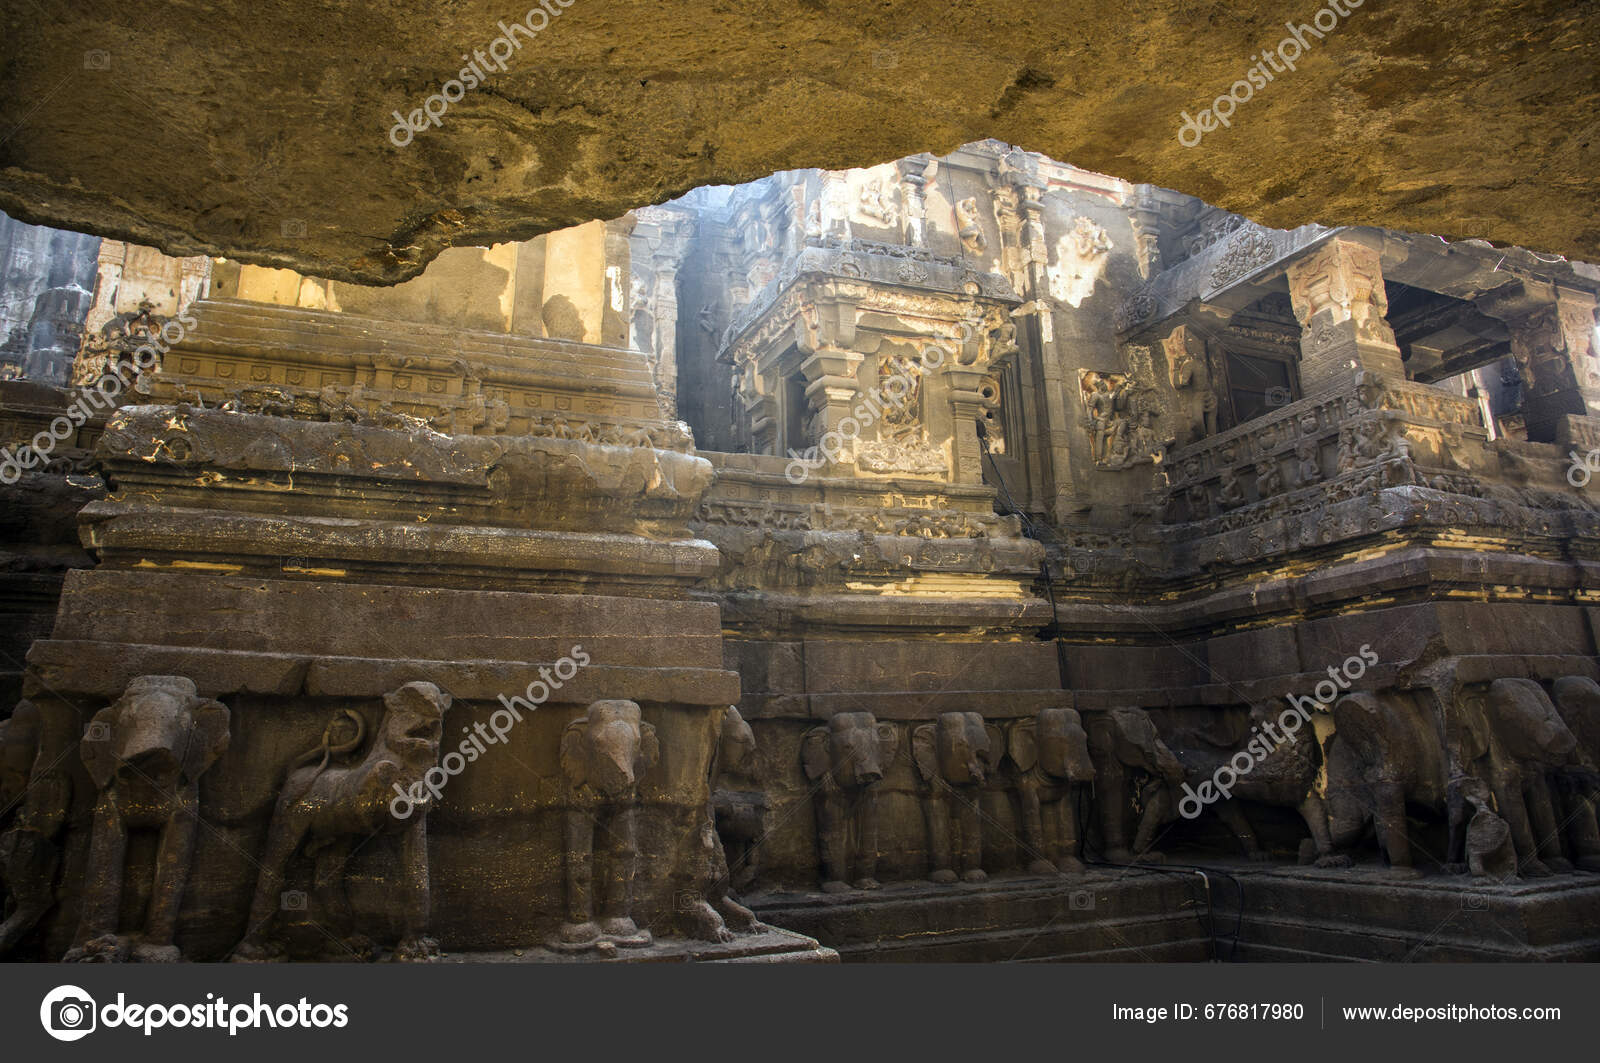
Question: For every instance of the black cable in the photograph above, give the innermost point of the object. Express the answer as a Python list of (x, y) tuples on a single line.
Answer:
[(1038, 534)]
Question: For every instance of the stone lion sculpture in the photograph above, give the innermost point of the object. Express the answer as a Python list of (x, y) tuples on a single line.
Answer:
[(326, 808)]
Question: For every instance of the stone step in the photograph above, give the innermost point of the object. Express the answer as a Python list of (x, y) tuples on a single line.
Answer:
[(1106, 914)]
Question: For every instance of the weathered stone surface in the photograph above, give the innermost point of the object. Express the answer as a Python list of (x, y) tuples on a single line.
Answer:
[(270, 121)]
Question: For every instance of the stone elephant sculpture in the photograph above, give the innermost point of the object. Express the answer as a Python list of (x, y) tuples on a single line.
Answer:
[(1133, 768), (1262, 757), (35, 795), (1514, 739), (954, 755), (1052, 775), (1577, 699), (331, 802), (145, 754), (845, 760), (1386, 753), (604, 755)]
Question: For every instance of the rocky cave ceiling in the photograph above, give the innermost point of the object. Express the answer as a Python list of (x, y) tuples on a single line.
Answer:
[(260, 129)]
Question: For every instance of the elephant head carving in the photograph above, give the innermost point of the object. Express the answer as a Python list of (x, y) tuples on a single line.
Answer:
[(605, 752), (853, 751), (160, 733), (1054, 742), (145, 753), (736, 747), (1577, 700), (847, 758), (953, 755), (1527, 724), (957, 748)]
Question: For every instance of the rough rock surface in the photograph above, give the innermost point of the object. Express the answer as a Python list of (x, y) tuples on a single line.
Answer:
[(260, 130)]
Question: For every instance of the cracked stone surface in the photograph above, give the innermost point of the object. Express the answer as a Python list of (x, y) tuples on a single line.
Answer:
[(261, 130)]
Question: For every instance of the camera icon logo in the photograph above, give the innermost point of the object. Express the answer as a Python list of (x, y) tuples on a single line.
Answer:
[(885, 59), (686, 900), (293, 228), (292, 900), (1279, 397), (97, 732), (68, 1013), (1081, 901), (1474, 902), (97, 59)]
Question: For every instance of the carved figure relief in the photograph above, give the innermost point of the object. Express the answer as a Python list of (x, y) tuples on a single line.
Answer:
[(335, 798), (146, 754), (1577, 700), (969, 228), (1190, 377), (1053, 776), (35, 796), (878, 201), (729, 837), (1134, 769), (604, 755), (1120, 416), (953, 756), (846, 759), (738, 801)]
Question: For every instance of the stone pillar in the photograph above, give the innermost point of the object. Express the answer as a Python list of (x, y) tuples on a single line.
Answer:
[(1059, 493), (761, 411), (1575, 317), (1145, 217), (831, 386), (658, 246), (1549, 384), (614, 317), (1338, 297), (913, 182), (966, 406), (666, 336)]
